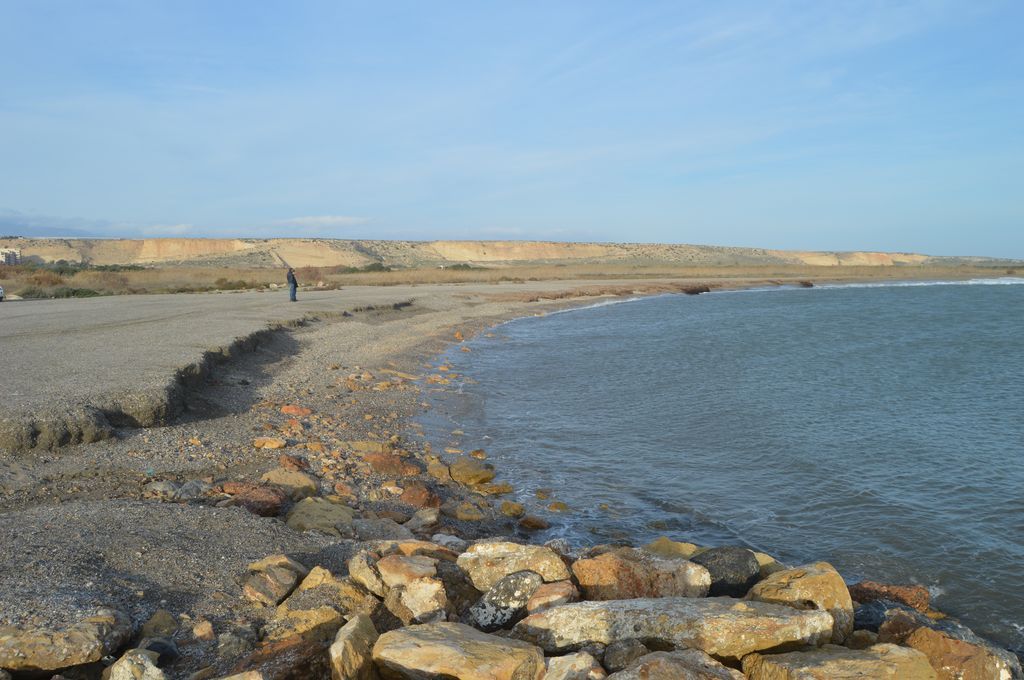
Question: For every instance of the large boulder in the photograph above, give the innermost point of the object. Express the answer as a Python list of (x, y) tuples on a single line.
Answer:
[(627, 573), (88, 641), (684, 664), (719, 626), (487, 562), (733, 570), (832, 662), (136, 665), (815, 586), (505, 603), (966, 657), (896, 623), (352, 650), (455, 651)]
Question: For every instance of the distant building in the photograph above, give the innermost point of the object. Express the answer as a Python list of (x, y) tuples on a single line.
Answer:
[(10, 256)]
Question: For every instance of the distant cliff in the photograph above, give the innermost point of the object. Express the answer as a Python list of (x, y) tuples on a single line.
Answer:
[(297, 252)]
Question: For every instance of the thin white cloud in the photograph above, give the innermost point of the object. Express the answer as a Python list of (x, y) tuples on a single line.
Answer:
[(162, 230), (323, 221)]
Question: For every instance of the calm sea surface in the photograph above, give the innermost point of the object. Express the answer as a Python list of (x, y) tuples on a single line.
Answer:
[(880, 428)]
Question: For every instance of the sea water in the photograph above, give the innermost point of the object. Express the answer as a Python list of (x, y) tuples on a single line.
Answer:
[(878, 427)]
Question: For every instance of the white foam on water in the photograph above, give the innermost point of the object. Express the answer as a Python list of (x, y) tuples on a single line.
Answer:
[(1002, 281), (602, 303)]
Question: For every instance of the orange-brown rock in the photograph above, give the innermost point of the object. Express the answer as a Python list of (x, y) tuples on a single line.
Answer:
[(269, 443), (264, 500), (290, 462), (955, 659), (550, 595), (626, 573), (391, 465), (419, 495), (295, 410), (952, 659), (910, 595), (533, 523)]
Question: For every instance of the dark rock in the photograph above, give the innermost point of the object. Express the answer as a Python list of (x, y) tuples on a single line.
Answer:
[(164, 647), (733, 570), (505, 603), (620, 654)]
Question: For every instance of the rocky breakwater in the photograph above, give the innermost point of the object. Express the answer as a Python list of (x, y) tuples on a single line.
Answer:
[(498, 609)]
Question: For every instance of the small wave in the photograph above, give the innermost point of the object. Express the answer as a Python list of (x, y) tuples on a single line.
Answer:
[(1002, 281), (603, 303)]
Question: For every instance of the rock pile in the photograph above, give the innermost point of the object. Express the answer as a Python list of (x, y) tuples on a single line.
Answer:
[(502, 610)]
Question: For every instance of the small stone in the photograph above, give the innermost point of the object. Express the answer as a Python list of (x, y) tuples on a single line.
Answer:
[(193, 490), (162, 490), (203, 630), (558, 506), (262, 500), (290, 462), (391, 465), (269, 443), (318, 514), (294, 410), (162, 622), (733, 570), (512, 509), (665, 547), (533, 523), (418, 495), (380, 529), (471, 472), (424, 520), (463, 511), (299, 485), (279, 560), (270, 586)]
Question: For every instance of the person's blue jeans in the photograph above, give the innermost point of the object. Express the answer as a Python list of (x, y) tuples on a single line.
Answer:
[(291, 291)]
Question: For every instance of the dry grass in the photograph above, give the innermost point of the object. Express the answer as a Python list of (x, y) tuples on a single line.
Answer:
[(45, 283)]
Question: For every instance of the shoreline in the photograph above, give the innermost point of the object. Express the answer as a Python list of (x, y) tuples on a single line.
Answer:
[(375, 403)]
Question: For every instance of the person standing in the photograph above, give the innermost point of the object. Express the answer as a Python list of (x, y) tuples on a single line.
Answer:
[(293, 285)]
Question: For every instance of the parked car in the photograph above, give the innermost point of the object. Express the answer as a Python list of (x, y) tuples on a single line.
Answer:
[(1, 293)]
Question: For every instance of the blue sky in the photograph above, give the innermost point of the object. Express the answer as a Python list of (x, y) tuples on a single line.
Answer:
[(814, 125)]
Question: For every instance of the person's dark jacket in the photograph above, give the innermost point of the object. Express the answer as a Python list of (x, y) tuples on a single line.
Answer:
[(291, 279)]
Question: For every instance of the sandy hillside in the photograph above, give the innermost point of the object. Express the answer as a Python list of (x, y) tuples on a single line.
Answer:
[(298, 252)]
